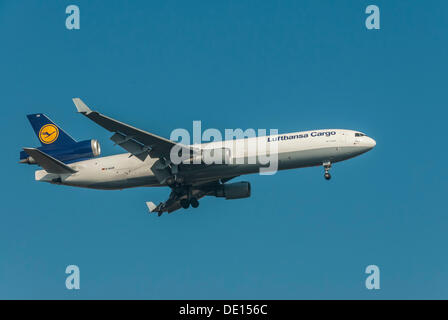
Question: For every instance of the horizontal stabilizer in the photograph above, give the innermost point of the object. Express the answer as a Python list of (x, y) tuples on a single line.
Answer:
[(151, 206), (48, 163)]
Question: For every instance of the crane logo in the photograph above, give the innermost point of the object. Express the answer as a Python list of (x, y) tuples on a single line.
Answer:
[(48, 133)]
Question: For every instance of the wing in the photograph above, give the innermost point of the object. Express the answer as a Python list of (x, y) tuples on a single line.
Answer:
[(136, 141), (48, 163)]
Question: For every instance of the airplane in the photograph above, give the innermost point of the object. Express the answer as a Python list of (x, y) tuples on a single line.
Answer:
[(148, 161)]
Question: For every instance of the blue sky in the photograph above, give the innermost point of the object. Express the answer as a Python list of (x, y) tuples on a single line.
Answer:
[(291, 65)]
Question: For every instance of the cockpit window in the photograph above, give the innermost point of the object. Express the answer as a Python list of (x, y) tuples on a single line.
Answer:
[(359, 134)]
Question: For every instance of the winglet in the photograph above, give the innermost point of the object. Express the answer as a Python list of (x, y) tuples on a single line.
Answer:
[(151, 206), (81, 106)]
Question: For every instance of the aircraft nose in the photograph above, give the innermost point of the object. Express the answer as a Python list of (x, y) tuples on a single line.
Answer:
[(371, 143)]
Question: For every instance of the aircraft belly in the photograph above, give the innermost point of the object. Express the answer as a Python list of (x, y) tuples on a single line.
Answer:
[(124, 184), (121, 179), (315, 157), (286, 160), (117, 183), (112, 179)]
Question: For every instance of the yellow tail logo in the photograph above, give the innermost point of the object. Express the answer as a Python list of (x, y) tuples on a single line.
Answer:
[(48, 133)]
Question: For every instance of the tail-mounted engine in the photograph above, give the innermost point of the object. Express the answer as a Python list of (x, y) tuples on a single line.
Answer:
[(77, 151)]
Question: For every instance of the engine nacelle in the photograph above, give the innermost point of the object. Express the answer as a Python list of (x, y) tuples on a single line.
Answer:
[(78, 151), (236, 190), (96, 147)]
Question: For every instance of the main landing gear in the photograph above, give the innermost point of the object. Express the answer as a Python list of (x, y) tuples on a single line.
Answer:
[(327, 166), (185, 203), (194, 202)]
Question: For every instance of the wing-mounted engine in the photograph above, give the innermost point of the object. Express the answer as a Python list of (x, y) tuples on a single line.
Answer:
[(236, 190)]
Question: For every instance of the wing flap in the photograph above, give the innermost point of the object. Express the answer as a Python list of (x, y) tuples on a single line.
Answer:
[(48, 163), (130, 145)]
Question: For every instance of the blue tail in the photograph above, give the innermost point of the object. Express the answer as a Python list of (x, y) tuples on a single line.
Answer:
[(48, 132)]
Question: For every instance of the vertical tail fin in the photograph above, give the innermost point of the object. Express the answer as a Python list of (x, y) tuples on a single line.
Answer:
[(48, 132)]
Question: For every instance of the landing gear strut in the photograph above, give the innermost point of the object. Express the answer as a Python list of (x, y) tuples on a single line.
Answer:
[(327, 166)]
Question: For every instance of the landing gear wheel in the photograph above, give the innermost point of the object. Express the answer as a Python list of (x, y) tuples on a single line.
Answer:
[(184, 203), (327, 166), (194, 202)]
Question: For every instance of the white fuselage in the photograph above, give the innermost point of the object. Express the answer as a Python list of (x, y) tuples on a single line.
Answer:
[(294, 150)]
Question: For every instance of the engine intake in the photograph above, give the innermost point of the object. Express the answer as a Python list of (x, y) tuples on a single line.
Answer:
[(96, 148)]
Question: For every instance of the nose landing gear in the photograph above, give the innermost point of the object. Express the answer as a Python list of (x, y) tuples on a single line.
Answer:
[(327, 166)]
